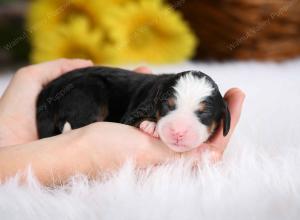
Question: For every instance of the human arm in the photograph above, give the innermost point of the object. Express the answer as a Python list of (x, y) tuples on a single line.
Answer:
[(90, 150)]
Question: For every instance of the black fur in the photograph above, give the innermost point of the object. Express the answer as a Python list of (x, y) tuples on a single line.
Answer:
[(93, 94)]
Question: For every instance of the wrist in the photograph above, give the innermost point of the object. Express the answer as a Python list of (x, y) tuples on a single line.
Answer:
[(11, 135), (52, 160), (62, 157)]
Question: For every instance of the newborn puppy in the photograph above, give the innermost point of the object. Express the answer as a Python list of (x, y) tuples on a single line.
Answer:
[(182, 109)]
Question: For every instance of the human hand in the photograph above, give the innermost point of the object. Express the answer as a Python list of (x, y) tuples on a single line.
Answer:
[(18, 103)]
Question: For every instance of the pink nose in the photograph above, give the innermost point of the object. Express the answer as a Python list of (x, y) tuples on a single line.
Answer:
[(178, 133)]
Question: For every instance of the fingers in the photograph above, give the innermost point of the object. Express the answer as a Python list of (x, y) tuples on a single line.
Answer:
[(59, 67), (234, 98), (48, 71), (143, 69)]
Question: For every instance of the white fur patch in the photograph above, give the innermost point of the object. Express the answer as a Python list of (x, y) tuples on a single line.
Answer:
[(67, 127), (191, 90)]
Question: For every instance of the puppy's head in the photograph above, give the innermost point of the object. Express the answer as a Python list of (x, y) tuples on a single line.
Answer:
[(189, 108)]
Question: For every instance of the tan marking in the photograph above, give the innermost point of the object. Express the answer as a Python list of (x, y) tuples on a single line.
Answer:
[(157, 115), (103, 113), (212, 127), (171, 102), (202, 106)]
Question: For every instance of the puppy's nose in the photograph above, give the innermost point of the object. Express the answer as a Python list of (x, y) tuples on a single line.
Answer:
[(178, 133)]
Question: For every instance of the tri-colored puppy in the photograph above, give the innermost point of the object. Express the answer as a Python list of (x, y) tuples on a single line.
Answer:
[(181, 109)]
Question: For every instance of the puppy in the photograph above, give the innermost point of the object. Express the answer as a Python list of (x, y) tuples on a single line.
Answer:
[(182, 109)]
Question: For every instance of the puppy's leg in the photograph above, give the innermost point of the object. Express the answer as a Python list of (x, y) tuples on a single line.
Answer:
[(149, 127)]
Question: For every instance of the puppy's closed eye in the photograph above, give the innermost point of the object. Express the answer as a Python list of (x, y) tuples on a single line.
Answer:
[(171, 103), (167, 106)]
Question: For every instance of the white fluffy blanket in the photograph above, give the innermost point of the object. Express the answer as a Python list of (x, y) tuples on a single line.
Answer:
[(259, 177)]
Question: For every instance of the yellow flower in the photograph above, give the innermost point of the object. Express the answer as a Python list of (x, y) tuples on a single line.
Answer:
[(71, 40), (45, 15), (149, 31), (123, 2), (108, 31)]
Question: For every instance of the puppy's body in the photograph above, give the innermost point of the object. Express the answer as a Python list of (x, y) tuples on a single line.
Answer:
[(181, 104)]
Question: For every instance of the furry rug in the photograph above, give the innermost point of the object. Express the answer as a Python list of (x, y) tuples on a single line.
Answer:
[(259, 177)]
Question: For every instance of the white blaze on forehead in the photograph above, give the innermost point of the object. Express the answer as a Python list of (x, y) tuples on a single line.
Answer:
[(190, 90)]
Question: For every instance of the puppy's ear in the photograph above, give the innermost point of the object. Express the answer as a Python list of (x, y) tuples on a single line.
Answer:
[(226, 119)]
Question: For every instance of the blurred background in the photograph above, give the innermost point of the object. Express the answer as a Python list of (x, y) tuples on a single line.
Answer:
[(118, 32)]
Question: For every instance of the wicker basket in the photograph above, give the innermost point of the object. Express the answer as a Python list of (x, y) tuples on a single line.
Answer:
[(245, 29), (13, 48)]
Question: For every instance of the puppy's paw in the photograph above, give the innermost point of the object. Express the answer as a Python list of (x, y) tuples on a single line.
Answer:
[(149, 127)]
